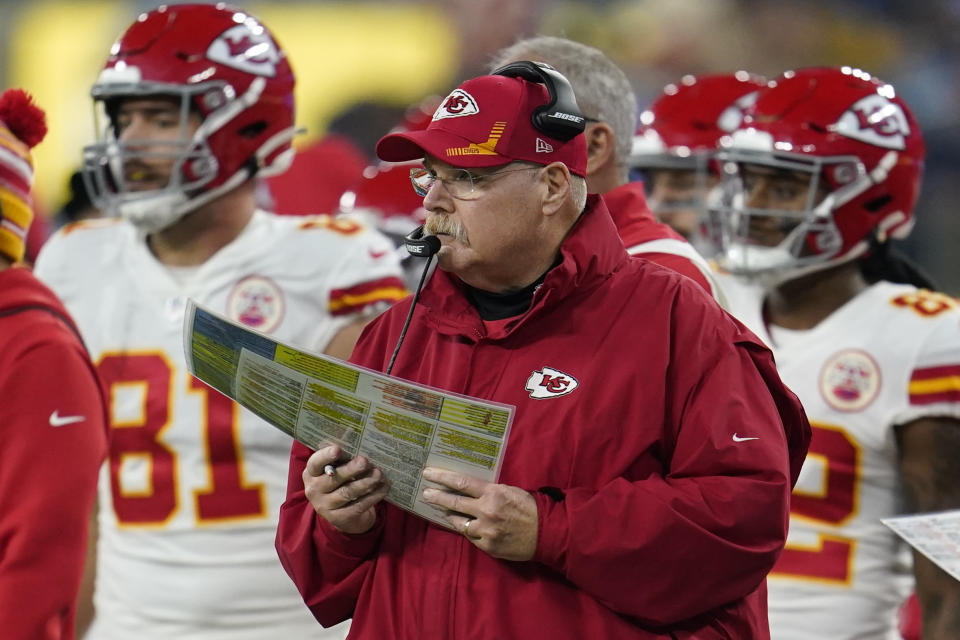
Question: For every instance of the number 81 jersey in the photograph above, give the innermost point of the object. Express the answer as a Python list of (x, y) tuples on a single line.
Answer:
[(887, 357), (190, 497)]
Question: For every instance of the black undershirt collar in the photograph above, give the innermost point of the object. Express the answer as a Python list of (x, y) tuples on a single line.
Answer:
[(499, 306)]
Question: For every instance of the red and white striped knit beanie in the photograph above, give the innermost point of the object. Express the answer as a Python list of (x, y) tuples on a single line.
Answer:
[(22, 126)]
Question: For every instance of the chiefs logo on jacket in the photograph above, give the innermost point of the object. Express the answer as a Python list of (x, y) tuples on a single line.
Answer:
[(550, 383)]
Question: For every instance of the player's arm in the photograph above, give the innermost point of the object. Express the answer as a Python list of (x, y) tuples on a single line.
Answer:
[(367, 280), (343, 341), (85, 609), (929, 451)]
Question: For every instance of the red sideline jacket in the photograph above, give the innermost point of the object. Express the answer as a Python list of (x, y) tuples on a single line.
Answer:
[(53, 437), (657, 521)]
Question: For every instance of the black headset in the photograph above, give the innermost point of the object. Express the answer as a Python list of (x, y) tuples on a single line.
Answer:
[(560, 118)]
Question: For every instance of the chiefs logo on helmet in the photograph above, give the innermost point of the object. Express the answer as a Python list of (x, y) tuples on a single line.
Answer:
[(875, 120), (732, 117), (457, 104), (243, 48), (550, 383)]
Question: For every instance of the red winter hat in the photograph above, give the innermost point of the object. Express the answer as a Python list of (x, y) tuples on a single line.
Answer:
[(486, 122)]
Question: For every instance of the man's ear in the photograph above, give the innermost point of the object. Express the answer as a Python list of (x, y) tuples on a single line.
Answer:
[(557, 178), (600, 146)]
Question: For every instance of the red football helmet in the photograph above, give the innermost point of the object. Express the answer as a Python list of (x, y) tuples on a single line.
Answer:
[(220, 63), (859, 152), (684, 125), (676, 139)]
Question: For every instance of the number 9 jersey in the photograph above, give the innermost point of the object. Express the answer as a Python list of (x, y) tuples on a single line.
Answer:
[(190, 495), (887, 357)]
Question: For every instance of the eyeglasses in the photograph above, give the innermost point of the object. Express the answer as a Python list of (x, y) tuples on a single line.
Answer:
[(460, 184)]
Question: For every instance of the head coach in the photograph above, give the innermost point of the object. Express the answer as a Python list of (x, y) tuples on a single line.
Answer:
[(646, 482)]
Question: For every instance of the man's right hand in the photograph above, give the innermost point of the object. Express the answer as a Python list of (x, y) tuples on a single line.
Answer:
[(347, 498)]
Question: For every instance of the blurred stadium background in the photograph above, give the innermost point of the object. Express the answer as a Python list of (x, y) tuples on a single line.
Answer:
[(360, 63)]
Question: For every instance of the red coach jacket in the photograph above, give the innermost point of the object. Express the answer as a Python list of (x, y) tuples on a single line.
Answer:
[(651, 428), (53, 437)]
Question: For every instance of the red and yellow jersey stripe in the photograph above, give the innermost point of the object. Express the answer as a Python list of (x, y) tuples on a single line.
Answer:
[(935, 384), (357, 298)]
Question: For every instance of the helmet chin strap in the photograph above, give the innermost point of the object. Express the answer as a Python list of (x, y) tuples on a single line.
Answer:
[(150, 215), (153, 214), (774, 278), (753, 261)]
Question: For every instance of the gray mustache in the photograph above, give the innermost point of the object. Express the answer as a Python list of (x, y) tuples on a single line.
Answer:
[(437, 224)]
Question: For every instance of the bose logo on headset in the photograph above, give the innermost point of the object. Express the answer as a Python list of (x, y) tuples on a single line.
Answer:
[(421, 245), (419, 250), (567, 116)]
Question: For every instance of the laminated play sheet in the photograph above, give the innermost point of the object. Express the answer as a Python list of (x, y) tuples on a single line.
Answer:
[(401, 427), (935, 535)]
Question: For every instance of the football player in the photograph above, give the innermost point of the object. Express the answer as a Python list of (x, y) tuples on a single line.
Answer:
[(676, 138), (823, 172), (197, 103)]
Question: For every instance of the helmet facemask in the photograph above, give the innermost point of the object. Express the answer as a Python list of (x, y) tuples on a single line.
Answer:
[(692, 180), (111, 166), (676, 186), (792, 231)]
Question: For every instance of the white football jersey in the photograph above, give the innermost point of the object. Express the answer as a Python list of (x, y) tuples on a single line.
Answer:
[(191, 492), (887, 357)]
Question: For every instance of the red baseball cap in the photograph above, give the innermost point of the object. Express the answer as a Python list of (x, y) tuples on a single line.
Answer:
[(486, 122)]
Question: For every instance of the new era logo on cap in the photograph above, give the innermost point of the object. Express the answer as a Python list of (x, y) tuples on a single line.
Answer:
[(486, 122)]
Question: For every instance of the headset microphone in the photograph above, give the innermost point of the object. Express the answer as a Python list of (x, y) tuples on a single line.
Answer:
[(424, 247), (420, 245)]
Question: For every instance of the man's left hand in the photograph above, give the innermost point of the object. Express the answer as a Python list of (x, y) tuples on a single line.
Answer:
[(496, 518)]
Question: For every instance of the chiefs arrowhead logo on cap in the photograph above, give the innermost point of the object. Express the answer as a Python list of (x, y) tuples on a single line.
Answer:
[(459, 103), (550, 383)]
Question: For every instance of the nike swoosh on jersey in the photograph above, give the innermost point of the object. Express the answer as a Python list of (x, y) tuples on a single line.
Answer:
[(56, 420), (737, 438)]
